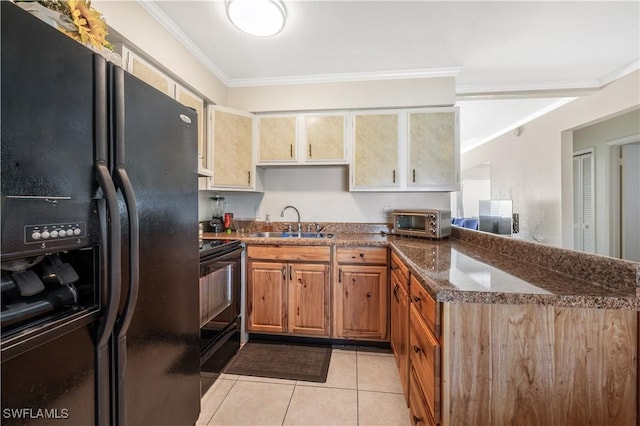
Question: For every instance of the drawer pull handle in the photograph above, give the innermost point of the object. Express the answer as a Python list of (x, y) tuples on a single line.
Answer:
[(416, 349), (416, 299), (395, 292), (417, 420)]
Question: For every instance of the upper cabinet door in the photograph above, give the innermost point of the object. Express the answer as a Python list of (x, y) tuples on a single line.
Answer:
[(375, 153), (232, 140), (434, 153), (148, 73), (324, 137), (278, 137), (191, 100)]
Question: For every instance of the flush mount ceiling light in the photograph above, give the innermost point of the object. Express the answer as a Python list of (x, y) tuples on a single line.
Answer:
[(262, 18)]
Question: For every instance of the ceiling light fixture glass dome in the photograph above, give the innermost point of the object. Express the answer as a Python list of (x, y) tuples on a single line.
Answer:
[(262, 18)]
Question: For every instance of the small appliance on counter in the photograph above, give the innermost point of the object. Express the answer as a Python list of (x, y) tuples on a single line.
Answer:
[(217, 220), (422, 223)]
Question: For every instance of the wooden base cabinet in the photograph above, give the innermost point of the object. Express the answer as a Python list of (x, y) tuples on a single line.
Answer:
[(288, 297), (362, 297), (400, 319)]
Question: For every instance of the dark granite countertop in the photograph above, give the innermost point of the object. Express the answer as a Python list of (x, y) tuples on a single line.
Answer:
[(474, 268)]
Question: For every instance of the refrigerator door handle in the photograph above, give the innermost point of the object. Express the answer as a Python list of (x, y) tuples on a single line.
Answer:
[(124, 183), (113, 244), (108, 323)]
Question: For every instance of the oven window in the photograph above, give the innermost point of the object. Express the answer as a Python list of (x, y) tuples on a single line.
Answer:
[(216, 291)]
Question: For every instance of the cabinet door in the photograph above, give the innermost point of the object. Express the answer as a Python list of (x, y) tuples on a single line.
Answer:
[(400, 327), (375, 140), (309, 298), (232, 149), (192, 100), (433, 149), (266, 297), (424, 353), (148, 73), (277, 138), (363, 308), (324, 136)]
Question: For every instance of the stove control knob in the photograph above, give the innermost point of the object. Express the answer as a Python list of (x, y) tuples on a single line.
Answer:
[(62, 233), (76, 231), (45, 235), (54, 234), (36, 235)]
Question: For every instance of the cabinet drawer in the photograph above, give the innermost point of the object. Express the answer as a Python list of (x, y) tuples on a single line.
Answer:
[(424, 352), (398, 267), (287, 253), (368, 255), (427, 307), (418, 408)]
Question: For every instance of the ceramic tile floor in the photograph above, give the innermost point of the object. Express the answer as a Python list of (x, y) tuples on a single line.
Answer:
[(362, 388)]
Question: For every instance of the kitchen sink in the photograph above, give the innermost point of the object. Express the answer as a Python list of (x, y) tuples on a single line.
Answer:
[(290, 235)]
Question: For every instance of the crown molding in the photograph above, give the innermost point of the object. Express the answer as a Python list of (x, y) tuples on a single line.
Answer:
[(172, 28)]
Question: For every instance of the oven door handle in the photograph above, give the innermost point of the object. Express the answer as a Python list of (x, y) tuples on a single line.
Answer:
[(225, 256)]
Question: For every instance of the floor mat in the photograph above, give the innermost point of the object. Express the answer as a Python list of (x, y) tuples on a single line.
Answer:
[(282, 361)]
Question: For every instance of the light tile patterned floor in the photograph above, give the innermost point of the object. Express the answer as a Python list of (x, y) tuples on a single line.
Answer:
[(362, 388)]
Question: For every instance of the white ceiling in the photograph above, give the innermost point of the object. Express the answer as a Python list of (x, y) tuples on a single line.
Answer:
[(517, 48)]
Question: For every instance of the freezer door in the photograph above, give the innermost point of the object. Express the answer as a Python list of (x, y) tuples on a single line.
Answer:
[(161, 381)]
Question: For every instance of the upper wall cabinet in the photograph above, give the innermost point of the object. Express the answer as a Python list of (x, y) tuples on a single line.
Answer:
[(231, 134), (278, 138), (156, 78), (375, 140), (324, 135), (305, 138), (434, 151), (148, 73), (191, 100), (405, 150)]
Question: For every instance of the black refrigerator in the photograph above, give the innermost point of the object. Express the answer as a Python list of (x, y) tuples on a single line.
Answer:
[(99, 253)]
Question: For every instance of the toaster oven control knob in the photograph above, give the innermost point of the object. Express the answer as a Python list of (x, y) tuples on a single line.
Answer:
[(54, 234), (36, 235), (45, 235), (432, 216), (433, 231)]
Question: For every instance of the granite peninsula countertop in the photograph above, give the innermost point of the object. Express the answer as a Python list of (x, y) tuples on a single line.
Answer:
[(470, 267)]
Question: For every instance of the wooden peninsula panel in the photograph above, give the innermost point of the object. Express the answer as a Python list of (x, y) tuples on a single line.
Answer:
[(541, 365)]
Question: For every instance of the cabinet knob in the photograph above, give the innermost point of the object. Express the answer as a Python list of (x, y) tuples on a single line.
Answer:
[(417, 420), (361, 254), (416, 349), (416, 299)]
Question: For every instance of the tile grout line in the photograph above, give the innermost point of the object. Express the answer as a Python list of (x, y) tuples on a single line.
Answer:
[(289, 403), (357, 392), (222, 401)]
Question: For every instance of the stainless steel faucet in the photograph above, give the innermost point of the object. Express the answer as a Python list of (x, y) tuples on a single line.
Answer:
[(298, 213)]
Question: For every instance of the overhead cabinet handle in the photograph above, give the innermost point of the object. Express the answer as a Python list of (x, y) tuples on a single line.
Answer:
[(394, 175)]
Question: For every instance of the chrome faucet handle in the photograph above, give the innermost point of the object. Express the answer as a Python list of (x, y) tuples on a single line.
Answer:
[(289, 227), (308, 227)]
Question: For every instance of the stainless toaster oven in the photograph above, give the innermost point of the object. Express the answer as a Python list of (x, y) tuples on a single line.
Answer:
[(422, 223)]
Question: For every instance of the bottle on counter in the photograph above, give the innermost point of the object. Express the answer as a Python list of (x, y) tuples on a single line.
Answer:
[(267, 224), (228, 218)]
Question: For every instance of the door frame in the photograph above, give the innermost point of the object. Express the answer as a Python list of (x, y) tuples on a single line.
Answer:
[(614, 186)]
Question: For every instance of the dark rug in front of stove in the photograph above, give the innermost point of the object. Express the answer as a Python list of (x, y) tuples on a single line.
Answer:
[(281, 361)]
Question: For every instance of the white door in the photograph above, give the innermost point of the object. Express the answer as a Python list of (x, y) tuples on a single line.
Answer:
[(630, 201), (583, 203)]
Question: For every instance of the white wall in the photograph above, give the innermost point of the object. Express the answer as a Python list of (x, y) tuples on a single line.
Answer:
[(321, 194), (534, 169), (145, 35)]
